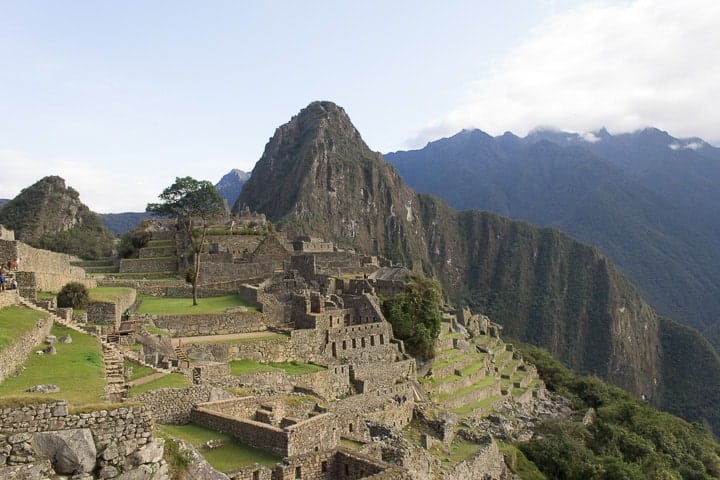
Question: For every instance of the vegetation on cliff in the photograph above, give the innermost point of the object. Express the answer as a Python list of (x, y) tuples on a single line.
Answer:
[(627, 439), (415, 315), (618, 193)]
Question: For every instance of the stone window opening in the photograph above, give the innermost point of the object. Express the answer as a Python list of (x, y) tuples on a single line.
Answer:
[(363, 341), (344, 345), (372, 340), (298, 472), (323, 467), (256, 475), (382, 339), (354, 344), (350, 428), (347, 470)]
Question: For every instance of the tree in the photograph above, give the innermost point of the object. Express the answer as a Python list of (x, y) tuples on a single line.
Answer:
[(192, 203)]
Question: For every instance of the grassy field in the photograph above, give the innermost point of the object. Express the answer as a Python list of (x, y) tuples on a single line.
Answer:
[(139, 371), (245, 366), (171, 380), (229, 457), (184, 306), (108, 294), (77, 369), (14, 321)]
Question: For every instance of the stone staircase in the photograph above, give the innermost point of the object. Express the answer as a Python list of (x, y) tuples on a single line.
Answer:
[(115, 387), (56, 319)]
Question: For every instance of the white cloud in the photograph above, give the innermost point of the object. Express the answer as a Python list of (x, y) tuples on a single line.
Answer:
[(624, 66), (102, 188)]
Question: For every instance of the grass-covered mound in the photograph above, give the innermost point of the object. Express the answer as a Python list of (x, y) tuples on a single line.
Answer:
[(184, 306), (77, 369), (629, 439)]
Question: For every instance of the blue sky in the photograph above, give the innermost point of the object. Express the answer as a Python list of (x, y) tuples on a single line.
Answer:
[(120, 97)]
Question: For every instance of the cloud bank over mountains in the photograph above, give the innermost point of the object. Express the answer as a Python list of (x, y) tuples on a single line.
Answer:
[(624, 66)]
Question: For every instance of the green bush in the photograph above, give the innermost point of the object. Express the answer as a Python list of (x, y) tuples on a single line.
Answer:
[(132, 242), (73, 295)]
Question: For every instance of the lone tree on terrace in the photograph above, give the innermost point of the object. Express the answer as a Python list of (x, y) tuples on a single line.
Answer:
[(192, 203)]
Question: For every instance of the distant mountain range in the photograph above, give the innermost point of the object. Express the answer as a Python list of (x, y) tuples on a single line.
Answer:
[(650, 201), (318, 177), (228, 187)]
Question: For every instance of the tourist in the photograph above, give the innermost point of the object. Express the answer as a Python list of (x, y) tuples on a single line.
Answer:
[(2, 281), (14, 285)]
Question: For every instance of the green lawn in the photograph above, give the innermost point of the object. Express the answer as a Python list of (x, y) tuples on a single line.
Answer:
[(231, 456), (40, 295), (245, 366), (171, 380), (108, 294), (184, 306), (77, 369), (14, 321), (139, 371)]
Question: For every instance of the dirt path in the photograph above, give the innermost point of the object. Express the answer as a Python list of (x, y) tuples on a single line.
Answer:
[(221, 338), (146, 379)]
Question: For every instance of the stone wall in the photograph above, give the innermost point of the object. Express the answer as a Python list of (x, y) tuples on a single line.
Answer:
[(110, 312), (45, 270), (273, 349), (255, 434), (114, 439), (147, 265), (328, 384), (210, 324), (295, 437), (337, 465), (487, 463), (369, 377), (16, 353), (244, 271), (392, 406), (8, 298), (172, 405)]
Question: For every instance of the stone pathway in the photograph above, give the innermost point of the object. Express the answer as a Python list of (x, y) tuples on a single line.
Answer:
[(146, 379)]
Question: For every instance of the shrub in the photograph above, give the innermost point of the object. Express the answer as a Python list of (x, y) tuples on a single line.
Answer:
[(73, 295)]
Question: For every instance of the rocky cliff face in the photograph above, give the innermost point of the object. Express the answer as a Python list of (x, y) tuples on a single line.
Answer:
[(231, 184), (318, 177)]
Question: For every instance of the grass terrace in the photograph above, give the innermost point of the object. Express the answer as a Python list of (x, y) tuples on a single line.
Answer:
[(246, 367), (139, 371), (230, 456), (183, 306), (171, 380), (14, 321), (108, 294), (77, 369)]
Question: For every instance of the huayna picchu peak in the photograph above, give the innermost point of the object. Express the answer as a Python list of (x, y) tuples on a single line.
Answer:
[(317, 176)]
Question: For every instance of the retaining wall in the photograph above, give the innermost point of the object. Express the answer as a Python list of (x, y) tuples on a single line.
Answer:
[(210, 324), (16, 353)]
